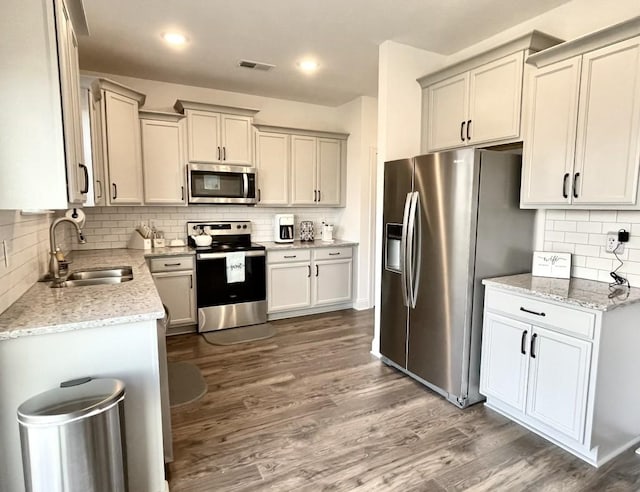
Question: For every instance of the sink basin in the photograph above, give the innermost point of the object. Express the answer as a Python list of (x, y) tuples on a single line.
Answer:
[(97, 276), (95, 273)]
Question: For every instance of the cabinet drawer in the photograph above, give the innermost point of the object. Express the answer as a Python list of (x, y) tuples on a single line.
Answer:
[(171, 263), (332, 253), (539, 312), (288, 255)]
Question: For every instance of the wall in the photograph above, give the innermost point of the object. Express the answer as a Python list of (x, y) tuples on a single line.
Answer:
[(583, 233), (111, 227), (27, 240)]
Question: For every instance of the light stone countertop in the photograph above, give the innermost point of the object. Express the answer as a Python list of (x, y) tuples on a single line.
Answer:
[(43, 310), (574, 292), (270, 245)]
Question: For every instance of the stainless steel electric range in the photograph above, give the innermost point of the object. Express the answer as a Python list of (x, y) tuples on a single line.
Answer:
[(230, 276)]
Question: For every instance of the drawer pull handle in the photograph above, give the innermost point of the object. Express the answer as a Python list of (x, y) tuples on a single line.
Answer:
[(334, 254), (523, 341), (532, 312), (290, 256), (172, 264), (533, 345)]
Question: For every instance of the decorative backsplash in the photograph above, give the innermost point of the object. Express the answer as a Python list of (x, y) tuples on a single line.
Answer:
[(27, 240), (111, 227), (583, 233)]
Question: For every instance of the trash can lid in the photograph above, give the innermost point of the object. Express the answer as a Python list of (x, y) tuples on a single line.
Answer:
[(73, 400)]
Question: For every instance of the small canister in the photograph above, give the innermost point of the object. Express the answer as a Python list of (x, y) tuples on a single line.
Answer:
[(306, 230)]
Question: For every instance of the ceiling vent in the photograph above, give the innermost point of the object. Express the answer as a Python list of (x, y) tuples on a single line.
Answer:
[(254, 65)]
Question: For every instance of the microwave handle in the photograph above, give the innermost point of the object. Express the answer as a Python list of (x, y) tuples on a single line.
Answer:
[(245, 185)]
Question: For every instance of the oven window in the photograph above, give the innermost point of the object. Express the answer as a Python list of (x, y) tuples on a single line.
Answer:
[(213, 289), (217, 184)]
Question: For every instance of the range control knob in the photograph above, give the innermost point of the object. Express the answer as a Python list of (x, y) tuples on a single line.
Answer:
[(238, 226), (244, 226)]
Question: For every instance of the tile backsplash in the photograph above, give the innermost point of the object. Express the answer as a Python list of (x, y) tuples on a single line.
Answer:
[(27, 246), (583, 233), (111, 227)]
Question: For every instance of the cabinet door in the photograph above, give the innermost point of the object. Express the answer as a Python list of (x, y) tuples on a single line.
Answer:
[(100, 186), (495, 94), (77, 174), (272, 161), (124, 162), (288, 286), (303, 170), (332, 281), (608, 141), (203, 131), (447, 112), (505, 360), (236, 139), (329, 171), (177, 293), (551, 131), (162, 162), (558, 381)]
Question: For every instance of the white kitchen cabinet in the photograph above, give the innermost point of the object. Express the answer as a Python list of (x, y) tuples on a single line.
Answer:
[(96, 150), (174, 277), (218, 134), (313, 167), (308, 280), (583, 143), (121, 144), (303, 170), (272, 162), (39, 94), (163, 161), (478, 106), (478, 101), (556, 368), (289, 286)]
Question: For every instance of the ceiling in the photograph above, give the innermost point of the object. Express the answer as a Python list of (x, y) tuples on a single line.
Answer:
[(342, 35)]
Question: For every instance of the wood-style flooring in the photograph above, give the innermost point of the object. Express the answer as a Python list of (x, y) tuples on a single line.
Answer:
[(312, 409)]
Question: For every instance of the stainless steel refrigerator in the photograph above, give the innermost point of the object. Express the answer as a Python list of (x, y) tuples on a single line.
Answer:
[(450, 220)]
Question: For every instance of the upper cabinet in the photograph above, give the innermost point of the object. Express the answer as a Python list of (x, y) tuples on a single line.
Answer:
[(582, 148), (163, 160), (41, 161), (478, 101), (300, 167), (218, 134), (119, 131)]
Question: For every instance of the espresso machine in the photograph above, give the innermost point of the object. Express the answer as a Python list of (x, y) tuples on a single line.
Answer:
[(283, 228)]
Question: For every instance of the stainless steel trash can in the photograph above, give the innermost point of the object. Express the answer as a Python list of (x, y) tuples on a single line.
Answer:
[(73, 438)]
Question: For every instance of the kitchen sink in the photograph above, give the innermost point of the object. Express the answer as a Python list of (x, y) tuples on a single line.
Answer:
[(97, 276)]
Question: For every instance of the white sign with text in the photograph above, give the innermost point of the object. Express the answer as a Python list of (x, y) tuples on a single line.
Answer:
[(550, 264)]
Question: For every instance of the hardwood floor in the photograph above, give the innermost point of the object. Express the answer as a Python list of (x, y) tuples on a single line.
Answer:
[(312, 409)]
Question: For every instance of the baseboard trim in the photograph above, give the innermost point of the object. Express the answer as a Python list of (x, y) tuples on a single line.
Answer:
[(362, 304), (308, 311)]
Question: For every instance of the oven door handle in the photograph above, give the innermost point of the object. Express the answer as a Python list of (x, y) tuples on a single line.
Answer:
[(217, 256)]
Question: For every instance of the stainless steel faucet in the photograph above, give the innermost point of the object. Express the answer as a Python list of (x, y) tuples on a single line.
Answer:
[(54, 266)]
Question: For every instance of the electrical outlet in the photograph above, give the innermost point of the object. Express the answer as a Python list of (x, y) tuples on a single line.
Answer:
[(613, 244)]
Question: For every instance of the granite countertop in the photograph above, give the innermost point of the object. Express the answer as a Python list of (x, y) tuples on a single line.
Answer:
[(168, 251), (575, 291), (270, 245), (43, 310)]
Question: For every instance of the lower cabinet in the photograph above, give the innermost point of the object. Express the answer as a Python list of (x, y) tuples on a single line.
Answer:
[(552, 368), (174, 279), (306, 281)]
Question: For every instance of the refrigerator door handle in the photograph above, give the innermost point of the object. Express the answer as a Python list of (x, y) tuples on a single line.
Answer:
[(403, 249), (416, 248)]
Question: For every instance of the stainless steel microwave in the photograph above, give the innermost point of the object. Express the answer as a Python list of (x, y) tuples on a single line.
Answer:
[(213, 183)]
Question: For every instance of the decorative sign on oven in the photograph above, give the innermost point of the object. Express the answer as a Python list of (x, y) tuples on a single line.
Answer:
[(550, 264)]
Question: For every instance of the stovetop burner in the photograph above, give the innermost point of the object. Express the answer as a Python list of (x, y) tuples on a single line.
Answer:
[(226, 236)]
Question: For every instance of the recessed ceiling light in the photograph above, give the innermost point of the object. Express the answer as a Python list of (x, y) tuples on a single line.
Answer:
[(174, 38), (308, 66)]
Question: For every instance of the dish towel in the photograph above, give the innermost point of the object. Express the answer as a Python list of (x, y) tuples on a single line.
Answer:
[(235, 267)]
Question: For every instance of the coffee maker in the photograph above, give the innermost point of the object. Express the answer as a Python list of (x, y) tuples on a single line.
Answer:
[(283, 228)]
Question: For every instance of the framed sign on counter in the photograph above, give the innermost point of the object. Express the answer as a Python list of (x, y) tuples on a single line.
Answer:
[(551, 264)]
